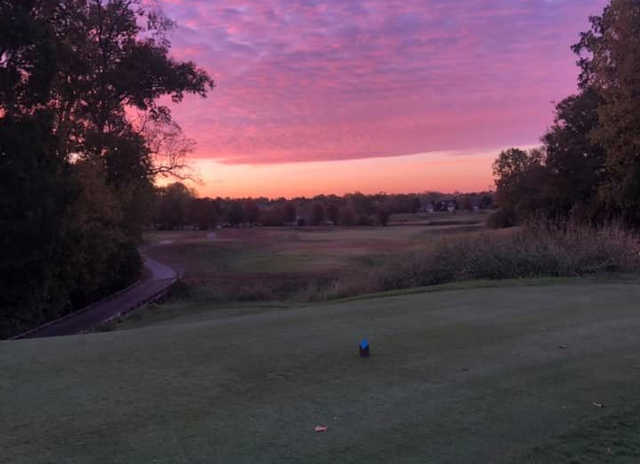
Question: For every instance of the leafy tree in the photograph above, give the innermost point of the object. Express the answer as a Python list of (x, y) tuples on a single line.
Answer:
[(562, 178), (289, 212), (347, 216), (575, 163), (27, 56), (251, 211), (361, 204), (76, 172), (235, 213), (173, 206), (273, 216), (317, 214), (35, 197), (333, 212), (203, 213), (94, 241), (520, 179), (610, 63), (415, 205), (486, 201), (466, 203), (62, 237), (383, 214), (95, 59), (405, 204)]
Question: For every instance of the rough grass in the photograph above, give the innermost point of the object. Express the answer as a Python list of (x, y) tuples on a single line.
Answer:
[(312, 264), (537, 250), (267, 264)]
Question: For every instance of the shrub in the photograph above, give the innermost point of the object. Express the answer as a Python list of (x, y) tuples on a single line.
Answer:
[(536, 250), (501, 219)]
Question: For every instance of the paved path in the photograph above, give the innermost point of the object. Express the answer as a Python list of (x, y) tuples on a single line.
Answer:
[(159, 279)]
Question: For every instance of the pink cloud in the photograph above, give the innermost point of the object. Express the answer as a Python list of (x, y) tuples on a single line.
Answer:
[(311, 80)]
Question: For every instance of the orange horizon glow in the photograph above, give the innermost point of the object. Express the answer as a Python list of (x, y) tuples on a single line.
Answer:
[(445, 172)]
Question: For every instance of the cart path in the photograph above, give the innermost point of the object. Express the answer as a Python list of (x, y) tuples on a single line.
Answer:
[(158, 280)]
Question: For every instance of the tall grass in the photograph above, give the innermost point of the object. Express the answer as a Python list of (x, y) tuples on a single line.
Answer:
[(538, 249)]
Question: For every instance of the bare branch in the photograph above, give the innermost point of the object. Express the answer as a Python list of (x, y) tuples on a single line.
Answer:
[(168, 148)]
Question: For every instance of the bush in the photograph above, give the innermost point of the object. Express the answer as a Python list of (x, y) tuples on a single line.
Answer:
[(536, 250), (501, 219)]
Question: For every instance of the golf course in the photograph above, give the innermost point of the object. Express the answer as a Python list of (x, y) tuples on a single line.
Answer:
[(320, 232), (516, 371)]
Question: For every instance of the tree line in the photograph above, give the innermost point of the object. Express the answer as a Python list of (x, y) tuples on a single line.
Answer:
[(588, 167), (83, 136), (176, 206)]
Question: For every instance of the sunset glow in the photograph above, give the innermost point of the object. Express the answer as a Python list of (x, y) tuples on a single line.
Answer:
[(333, 96), (444, 172)]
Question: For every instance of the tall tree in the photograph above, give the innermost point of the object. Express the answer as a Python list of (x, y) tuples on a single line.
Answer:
[(95, 60), (251, 212), (173, 206), (610, 61), (70, 73), (520, 183), (317, 214), (575, 162)]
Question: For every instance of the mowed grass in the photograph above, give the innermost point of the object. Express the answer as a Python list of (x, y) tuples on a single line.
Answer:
[(493, 374)]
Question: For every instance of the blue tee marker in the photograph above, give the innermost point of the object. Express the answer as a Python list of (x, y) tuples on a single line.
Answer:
[(364, 348)]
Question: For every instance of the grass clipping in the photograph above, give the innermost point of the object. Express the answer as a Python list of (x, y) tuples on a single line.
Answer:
[(539, 249)]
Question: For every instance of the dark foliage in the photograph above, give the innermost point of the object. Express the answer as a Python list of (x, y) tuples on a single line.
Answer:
[(176, 207), (76, 173), (589, 165)]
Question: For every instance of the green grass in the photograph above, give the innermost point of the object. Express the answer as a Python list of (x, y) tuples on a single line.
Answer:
[(199, 302), (456, 375), (613, 438)]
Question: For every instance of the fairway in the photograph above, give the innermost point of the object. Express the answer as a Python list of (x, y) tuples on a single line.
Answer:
[(456, 375)]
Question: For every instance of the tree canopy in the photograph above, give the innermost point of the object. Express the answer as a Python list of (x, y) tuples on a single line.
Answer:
[(77, 170), (610, 63), (590, 157)]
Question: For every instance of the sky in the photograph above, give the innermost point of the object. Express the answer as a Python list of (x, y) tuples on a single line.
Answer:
[(335, 96)]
